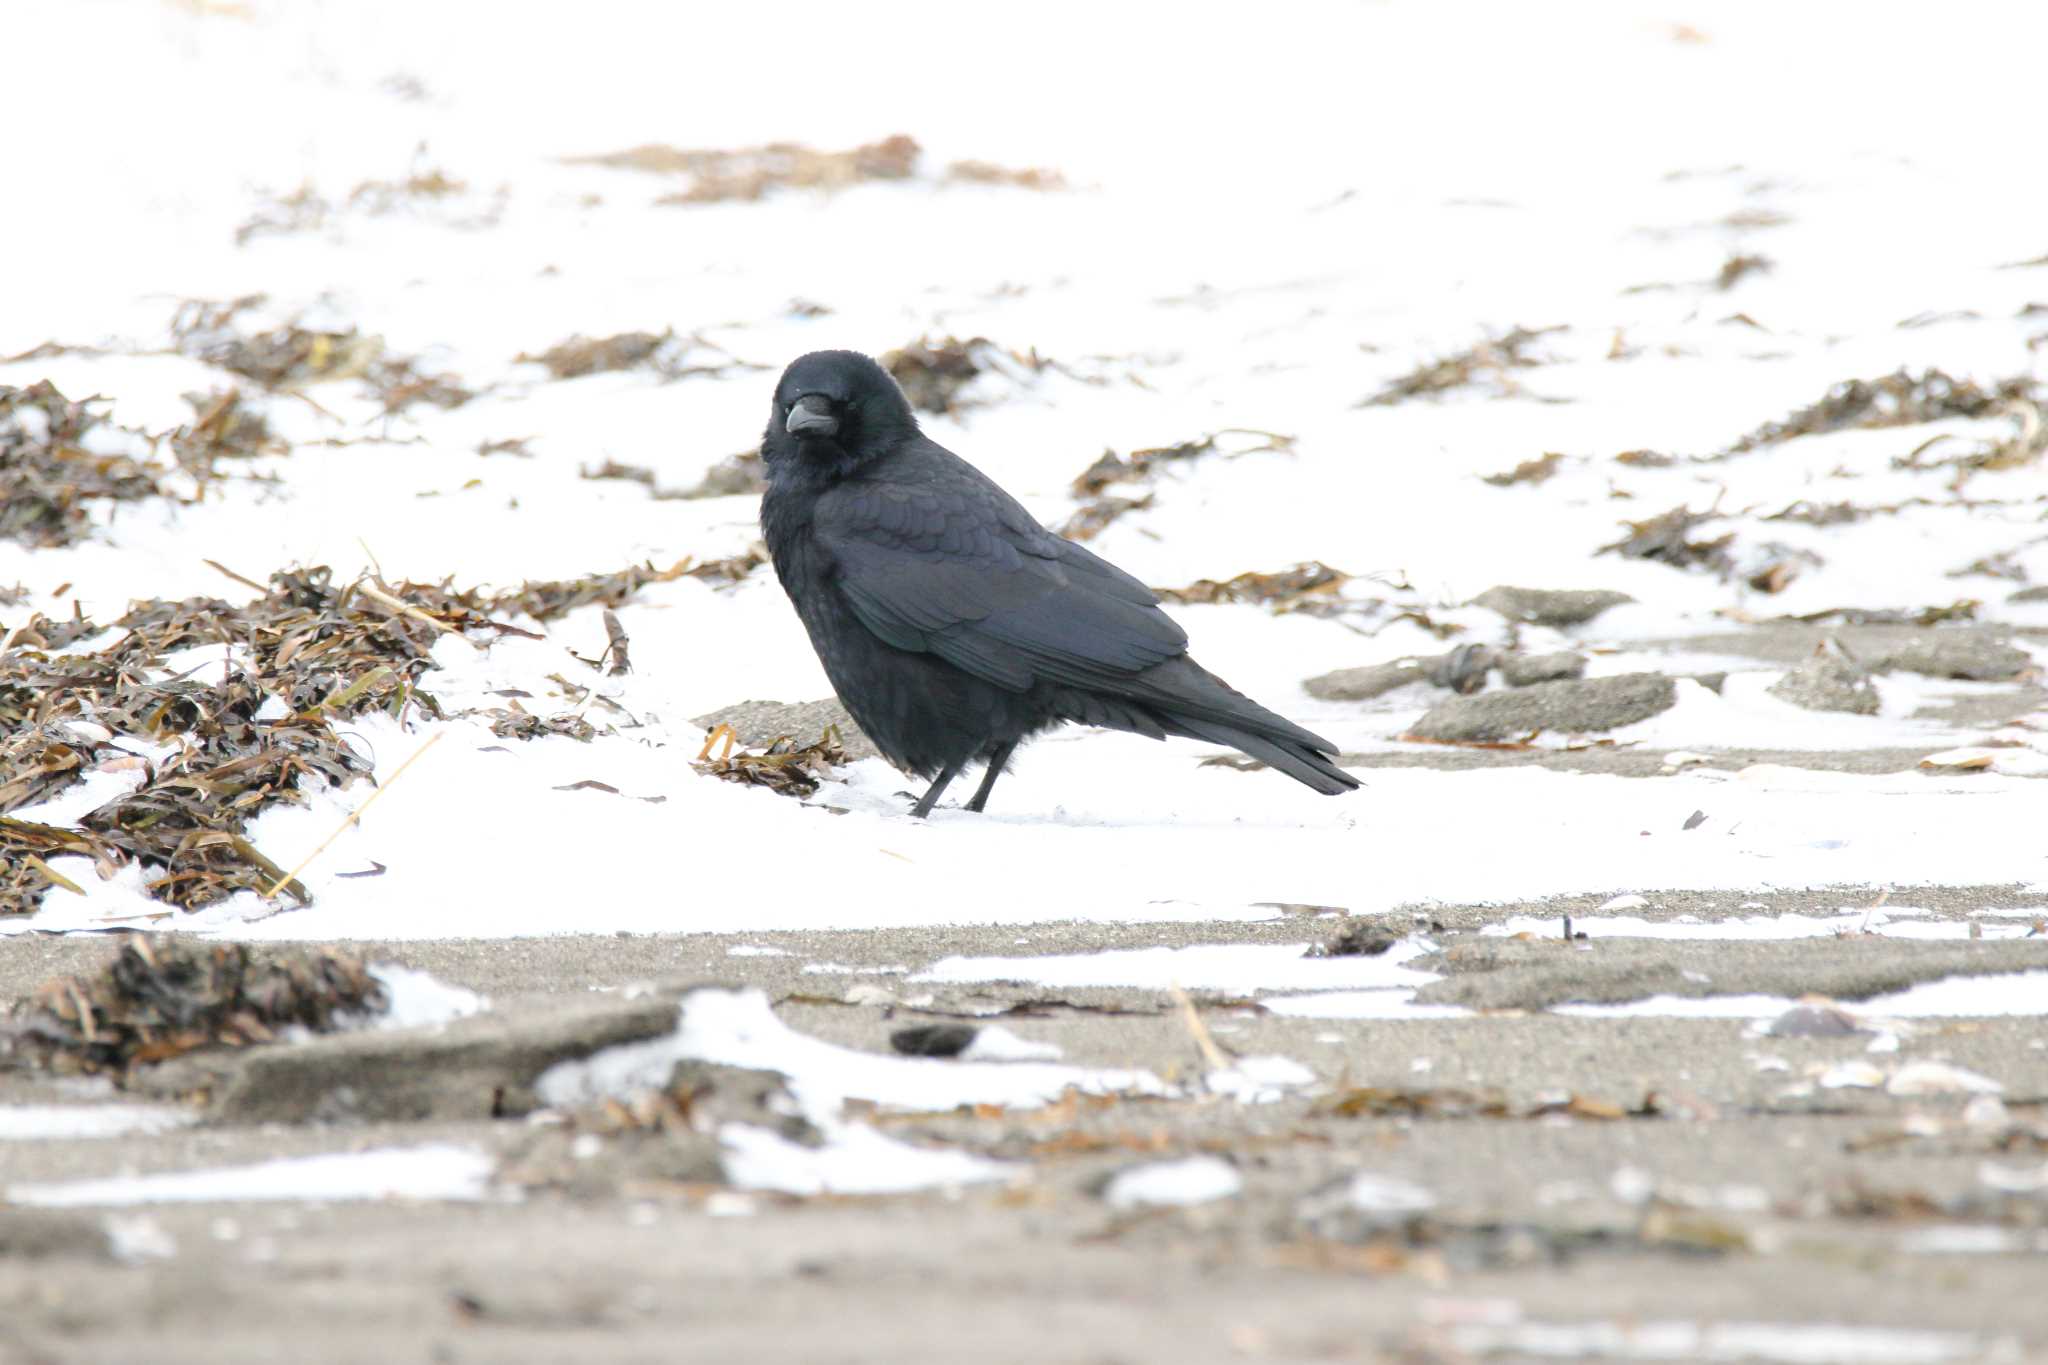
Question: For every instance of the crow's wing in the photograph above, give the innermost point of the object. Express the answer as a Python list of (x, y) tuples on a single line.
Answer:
[(937, 559)]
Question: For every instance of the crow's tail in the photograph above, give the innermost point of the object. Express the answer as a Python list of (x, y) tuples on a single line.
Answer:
[(1181, 697)]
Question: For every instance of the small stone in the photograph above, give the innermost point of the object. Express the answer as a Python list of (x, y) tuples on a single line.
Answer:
[(1829, 681), (1464, 669), (1575, 707), (1939, 1078), (758, 724), (1815, 1020), (1363, 684), (1548, 607), (1957, 654), (1367, 938), (933, 1040), (2038, 593), (1524, 670)]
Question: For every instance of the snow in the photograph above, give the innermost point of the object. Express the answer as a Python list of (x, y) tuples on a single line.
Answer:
[(994, 1043), (433, 1171), (1761, 1343), (855, 1159), (1962, 997), (737, 1028), (20, 1122), (1173, 1184), (419, 999)]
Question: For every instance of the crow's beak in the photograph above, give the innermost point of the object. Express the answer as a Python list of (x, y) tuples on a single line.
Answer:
[(812, 416)]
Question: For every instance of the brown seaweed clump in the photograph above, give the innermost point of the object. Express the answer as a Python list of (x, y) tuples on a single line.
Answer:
[(163, 996), (782, 767), (48, 477)]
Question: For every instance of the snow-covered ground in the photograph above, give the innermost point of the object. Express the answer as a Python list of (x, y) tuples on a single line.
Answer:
[(1268, 219)]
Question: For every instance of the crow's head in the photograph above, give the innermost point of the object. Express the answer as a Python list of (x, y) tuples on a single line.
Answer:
[(837, 409)]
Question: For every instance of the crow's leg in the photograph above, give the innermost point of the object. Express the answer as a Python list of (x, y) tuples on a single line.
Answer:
[(996, 761), (931, 798)]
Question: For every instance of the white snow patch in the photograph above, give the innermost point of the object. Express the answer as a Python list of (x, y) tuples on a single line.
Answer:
[(20, 1122), (855, 1159), (737, 1028), (420, 999), (1173, 1184), (442, 1171), (1764, 1343), (994, 1043), (1259, 1080)]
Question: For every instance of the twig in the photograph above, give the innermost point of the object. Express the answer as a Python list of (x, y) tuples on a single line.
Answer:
[(353, 817), (615, 644), (718, 732), (219, 567), (1211, 1053)]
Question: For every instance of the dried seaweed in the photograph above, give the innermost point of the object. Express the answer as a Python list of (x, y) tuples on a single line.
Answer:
[(1533, 471), (223, 427), (551, 599), (932, 373), (161, 997), (781, 767), (1282, 592), (48, 476), (516, 722), (306, 656), (734, 476), (747, 174), (1095, 517), (581, 355), (290, 357), (247, 734), (988, 173), (1667, 539), (1145, 465), (1739, 266), (1896, 400), (1492, 360), (306, 210)]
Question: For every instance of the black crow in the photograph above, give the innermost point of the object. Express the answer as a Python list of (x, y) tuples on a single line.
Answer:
[(951, 624)]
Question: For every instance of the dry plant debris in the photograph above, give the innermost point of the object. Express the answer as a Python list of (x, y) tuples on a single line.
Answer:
[(664, 353), (1739, 266), (1537, 470), (223, 427), (47, 476), (1896, 400), (1283, 591), (290, 357), (305, 209), (244, 733), (552, 598), (782, 768), (1667, 539), (932, 373), (746, 174), (1492, 360), (1141, 466), (162, 996)]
